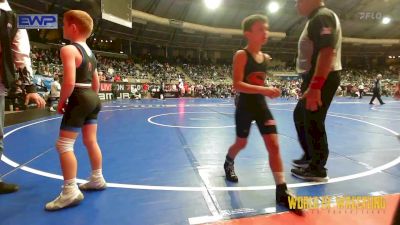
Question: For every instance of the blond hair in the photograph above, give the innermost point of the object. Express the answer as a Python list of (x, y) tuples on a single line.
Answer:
[(248, 22), (81, 19)]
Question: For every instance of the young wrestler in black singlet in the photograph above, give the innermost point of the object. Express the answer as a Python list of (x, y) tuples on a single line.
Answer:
[(249, 73), (80, 87)]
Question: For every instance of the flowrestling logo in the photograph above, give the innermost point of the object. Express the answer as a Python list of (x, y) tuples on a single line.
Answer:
[(37, 21), (371, 15)]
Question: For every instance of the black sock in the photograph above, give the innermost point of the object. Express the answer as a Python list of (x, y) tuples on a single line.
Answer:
[(281, 187), (229, 160)]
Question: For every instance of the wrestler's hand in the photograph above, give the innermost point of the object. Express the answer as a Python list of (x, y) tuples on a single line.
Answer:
[(271, 92), (397, 92), (61, 107)]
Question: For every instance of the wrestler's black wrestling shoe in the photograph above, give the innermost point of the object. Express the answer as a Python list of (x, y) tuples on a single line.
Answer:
[(284, 197), (230, 172)]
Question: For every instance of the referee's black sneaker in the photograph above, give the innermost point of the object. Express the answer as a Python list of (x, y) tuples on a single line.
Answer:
[(303, 162), (310, 174), (6, 188)]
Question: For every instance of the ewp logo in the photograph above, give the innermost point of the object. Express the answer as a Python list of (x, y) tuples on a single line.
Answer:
[(37, 21)]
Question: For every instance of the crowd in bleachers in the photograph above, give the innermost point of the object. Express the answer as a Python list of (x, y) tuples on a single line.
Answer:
[(201, 73), (202, 80), (354, 80), (203, 90), (45, 61), (162, 72)]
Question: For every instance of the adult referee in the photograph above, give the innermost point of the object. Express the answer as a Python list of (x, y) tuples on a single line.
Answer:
[(377, 90), (319, 63)]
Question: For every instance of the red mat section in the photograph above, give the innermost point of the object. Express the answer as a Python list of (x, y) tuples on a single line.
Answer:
[(332, 216)]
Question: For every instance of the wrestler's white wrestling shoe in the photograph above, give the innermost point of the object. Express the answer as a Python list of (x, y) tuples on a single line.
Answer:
[(95, 183), (70, 196)]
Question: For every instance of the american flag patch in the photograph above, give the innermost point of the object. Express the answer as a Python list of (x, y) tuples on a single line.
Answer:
[(326, 30), (270, 123)]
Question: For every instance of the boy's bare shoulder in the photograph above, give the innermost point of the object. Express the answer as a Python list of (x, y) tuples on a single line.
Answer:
[(240, 55), (68, 49), (240, 51), (69, 52)]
